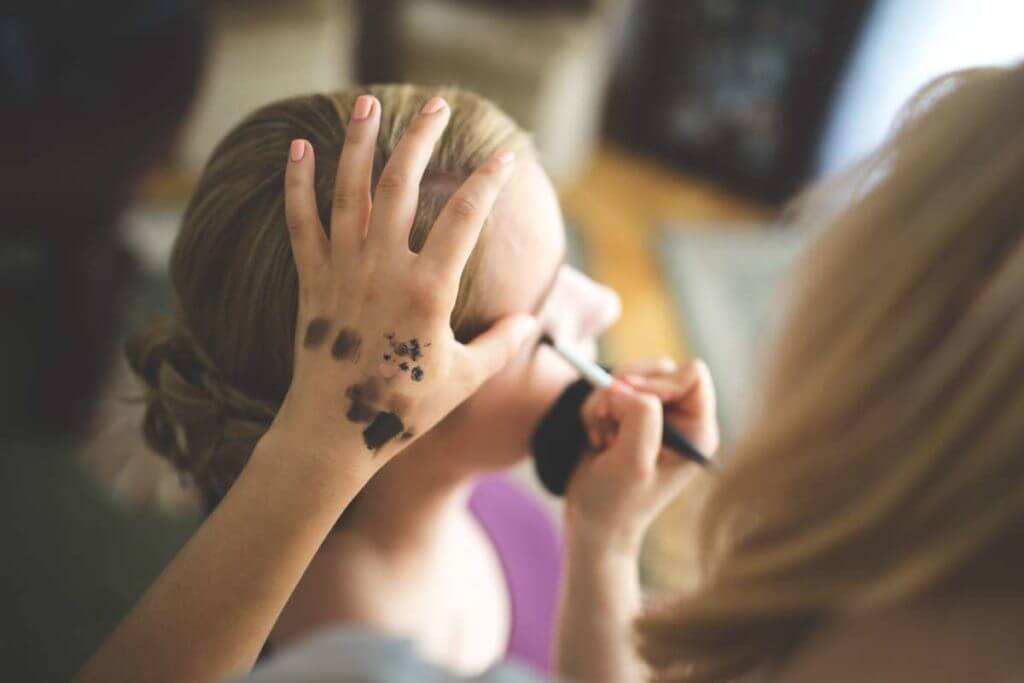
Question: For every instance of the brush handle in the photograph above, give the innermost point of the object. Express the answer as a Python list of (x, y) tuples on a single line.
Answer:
[(679, 444), (592, 372), (601, 378)]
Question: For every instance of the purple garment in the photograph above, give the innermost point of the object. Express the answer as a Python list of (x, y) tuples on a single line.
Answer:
[(530, 551)]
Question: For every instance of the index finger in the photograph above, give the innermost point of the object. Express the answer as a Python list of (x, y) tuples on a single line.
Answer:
[(457, 229), (640, 421), (309, 243), (595, 408)]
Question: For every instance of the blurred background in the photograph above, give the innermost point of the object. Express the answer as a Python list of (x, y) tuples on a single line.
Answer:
[(675, 131)]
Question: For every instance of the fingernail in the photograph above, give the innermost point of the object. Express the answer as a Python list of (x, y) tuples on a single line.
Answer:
[(298, 150), (505, 157), (635, 379), (433, 105), (363, 107)]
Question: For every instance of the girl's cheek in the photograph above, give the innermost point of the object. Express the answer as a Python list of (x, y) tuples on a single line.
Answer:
[(549, 376)]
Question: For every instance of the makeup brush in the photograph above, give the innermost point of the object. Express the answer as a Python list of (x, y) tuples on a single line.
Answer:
[(598, 377)]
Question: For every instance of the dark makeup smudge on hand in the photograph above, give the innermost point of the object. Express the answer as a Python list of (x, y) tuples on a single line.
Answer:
[(363, 396), (316, 332), (346, 345), (385, 426), (417, 373), (359, 412)]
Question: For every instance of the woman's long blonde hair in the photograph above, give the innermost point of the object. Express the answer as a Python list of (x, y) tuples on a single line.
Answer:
[(218, 367), (886, 459)]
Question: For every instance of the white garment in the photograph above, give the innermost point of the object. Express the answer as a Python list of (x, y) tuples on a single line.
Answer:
[(350, 655)]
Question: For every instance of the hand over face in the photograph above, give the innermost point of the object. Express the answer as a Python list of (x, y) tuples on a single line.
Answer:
[(376, 361)]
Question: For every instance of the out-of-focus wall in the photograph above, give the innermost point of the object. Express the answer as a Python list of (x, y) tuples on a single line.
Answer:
[(264, 50), (548, 68)]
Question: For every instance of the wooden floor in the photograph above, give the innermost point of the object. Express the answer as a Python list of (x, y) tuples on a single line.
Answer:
[(619, 206)]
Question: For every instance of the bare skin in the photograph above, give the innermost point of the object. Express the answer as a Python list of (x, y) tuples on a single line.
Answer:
[(208, 614), (612, 499), (966, 635), (391, 564)]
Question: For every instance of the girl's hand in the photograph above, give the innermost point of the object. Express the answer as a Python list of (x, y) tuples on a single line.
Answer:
[(376, 361), (616, 493)]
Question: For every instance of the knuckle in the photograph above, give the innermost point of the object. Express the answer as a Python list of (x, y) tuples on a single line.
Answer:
[(391, 180), (356, 133), (639, 470), (346, 198), (293, 181), (428, 125), (648, 402), (419, 126), (426, 296), (495, 169), (295, 225), (464, 206)]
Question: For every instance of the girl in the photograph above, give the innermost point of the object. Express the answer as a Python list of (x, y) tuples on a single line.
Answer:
[(465, 565)]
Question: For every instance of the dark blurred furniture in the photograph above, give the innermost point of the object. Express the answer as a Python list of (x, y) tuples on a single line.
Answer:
[(737, 90)]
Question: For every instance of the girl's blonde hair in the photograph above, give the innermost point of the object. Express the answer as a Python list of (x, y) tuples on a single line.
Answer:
[(218, 368), (886, 460)]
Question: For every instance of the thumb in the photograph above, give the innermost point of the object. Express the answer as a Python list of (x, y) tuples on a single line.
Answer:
[(640, 423), (491, 351)]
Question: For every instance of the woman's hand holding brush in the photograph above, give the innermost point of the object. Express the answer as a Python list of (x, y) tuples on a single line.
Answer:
[(618, 490), (614, 494)]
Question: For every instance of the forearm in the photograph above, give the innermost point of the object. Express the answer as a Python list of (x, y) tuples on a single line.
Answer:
[(600, 599), (208, 614)]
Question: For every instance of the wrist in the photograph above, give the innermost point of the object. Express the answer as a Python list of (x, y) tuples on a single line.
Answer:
[(600, 539), (604, 578), (601, 550), (342, 458)]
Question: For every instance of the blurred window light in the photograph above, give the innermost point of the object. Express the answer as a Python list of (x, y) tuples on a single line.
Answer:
[(905, 44)]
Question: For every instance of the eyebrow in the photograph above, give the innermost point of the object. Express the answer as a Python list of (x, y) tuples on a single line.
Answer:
[(550, 286)]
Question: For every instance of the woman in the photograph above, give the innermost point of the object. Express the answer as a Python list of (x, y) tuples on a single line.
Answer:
[(467, 568), (868, 524)]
